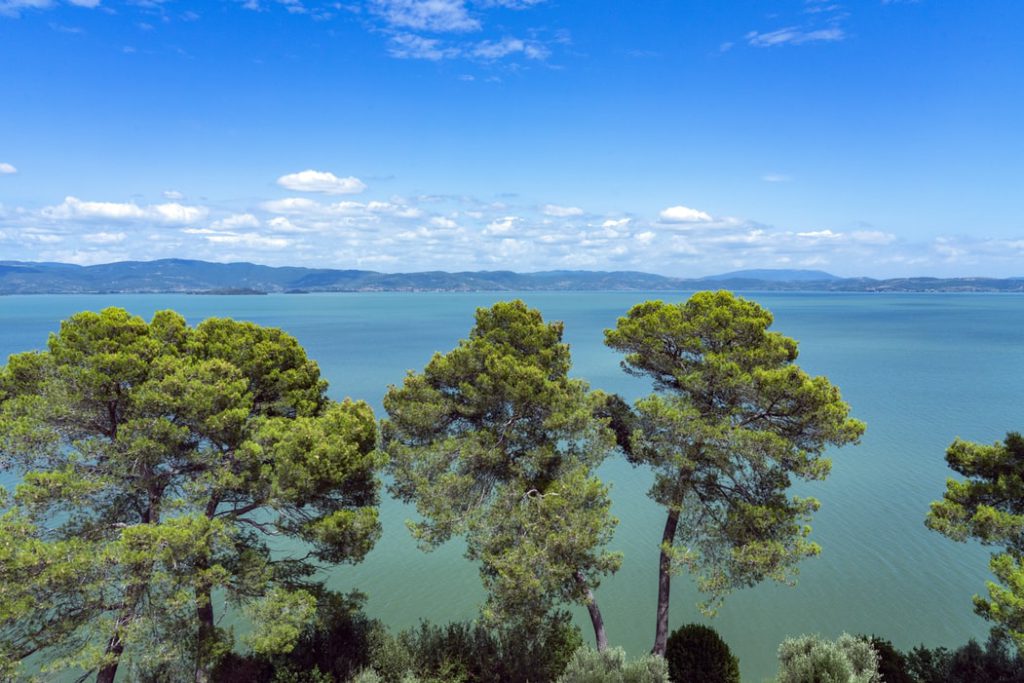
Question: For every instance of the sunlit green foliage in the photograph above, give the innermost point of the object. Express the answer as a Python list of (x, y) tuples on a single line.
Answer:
[(732, 421), (156, 463), (989, 506), (493, 441)]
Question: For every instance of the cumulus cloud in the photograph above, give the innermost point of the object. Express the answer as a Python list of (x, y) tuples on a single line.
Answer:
[(502, 226), (683, 214), (561, 211), (170, 213), (7, 169), (324, 182)]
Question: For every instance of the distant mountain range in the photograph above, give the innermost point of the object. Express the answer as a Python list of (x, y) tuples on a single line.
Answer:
[(202, 277)]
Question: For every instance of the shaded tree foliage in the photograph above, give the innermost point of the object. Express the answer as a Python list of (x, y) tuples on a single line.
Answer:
[(731, 422), (697, 654), (156, 463)]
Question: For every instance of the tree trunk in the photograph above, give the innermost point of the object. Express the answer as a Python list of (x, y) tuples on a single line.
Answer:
[(207, 632), (204, 610), (600, 636), (115, 647), (664, 583)]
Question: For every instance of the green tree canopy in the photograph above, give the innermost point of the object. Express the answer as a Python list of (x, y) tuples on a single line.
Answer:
[(988, 506), (157, 462), (495, 442), (732, 421)]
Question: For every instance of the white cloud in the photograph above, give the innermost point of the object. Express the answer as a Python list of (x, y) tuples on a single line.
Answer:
[(442, 222), (13, 8), (616, 223), (173, 195), (235, 221), (502, 226), (409, 46), (105, 237), (7, 169), (178, 213), (792, 35), (249, 239), (73, 207), (85, 3), (684, 214), (172, 213), (775, 178), (292, 205), (321, 181), (437, 16), (645, 237), (497, 49), (562, 211)]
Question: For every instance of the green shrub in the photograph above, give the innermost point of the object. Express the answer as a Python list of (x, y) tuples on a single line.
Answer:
[(892, 664), (810, 659), (697, 654), (610, 666)]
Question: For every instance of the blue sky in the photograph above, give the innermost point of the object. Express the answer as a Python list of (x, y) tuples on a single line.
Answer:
[(880, 138)]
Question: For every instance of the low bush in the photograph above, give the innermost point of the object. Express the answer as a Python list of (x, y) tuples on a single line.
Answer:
[(610, 666), (810, 659)]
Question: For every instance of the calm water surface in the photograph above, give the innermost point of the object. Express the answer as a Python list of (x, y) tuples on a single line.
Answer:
[(920, 369)]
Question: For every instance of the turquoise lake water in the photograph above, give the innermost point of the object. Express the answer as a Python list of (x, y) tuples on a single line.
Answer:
[(920, 369)]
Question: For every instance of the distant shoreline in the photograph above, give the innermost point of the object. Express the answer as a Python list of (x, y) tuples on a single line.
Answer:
[(182, 276)]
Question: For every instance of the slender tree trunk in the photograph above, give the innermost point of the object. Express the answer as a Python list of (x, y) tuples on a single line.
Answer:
[(600, 636), (664, 582), (204, 610), (207, 632)]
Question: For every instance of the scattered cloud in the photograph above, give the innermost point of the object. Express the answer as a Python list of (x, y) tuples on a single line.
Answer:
[(104, 237), (173, 195), (491, 50), (455, 232), (7, 169), (435, 16), (792, 35), (683, 214), (561, 211), (324, 182), (411, 46), (172, 213)]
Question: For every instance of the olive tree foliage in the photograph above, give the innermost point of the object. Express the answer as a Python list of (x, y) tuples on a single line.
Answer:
[(732, 421), (156, 463), (611, 666), (810, 659), (988, 506), (494, 442)]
